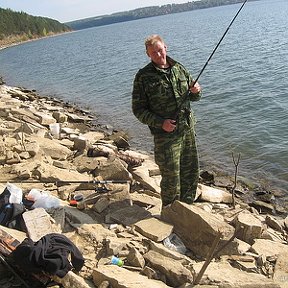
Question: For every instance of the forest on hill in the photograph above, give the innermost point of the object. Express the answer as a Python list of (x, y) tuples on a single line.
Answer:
[(17, 27), (146, 12), (20, 26)]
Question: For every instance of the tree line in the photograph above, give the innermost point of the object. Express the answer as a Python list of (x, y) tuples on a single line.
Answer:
[(146, 12), (22, 26)]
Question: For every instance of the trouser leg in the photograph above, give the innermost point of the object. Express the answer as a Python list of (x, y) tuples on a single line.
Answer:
[(167, 155), (189, 168)]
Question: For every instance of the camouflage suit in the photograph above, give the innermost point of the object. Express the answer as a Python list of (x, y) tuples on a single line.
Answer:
[(157, 94)]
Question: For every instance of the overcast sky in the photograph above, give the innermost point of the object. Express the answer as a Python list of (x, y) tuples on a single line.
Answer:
[(68, 10)]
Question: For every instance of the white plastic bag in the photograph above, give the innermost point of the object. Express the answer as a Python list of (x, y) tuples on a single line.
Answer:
[(43, 199), (173, 242), (16, 193)]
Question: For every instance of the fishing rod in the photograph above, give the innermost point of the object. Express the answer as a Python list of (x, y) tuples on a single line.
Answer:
[(62, 182), (209, 58)]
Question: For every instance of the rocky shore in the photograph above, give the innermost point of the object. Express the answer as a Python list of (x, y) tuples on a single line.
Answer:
[(103, 196)]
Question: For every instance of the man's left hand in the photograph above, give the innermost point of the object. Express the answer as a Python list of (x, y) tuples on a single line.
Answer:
[(196, 88)]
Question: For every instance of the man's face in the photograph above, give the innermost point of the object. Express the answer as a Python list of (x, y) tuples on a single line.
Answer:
[(157, 53)]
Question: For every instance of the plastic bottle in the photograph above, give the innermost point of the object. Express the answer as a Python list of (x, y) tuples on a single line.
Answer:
[(116, 261)]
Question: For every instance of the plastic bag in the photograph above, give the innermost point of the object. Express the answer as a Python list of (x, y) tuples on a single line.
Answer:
[(16, 194), (43, 199), (173, 242)]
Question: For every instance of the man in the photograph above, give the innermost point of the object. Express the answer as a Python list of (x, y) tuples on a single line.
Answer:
[(158, 90)]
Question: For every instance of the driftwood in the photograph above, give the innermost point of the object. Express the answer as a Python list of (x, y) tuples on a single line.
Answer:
[(213, 253), (236, 164), (209, 258), (107, 150)]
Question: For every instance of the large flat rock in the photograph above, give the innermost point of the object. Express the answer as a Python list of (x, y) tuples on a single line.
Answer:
[(226, 276), (196, 227), (122, 278)]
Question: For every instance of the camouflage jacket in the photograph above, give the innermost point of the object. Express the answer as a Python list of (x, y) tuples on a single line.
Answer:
[(157, 95)]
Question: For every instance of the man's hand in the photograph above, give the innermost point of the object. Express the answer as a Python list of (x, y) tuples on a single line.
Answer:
[(169, 125), (196, 88)]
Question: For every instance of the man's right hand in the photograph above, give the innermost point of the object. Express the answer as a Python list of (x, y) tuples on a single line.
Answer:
[(169, 125)]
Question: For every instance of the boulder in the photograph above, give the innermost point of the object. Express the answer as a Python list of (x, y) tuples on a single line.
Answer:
[(52, 148), (248, 227), (154, 229), (226, 276), (281, 270), (176, 274), (142, 174), (268, 247), (213, 195), (122, 278), (196, 227)]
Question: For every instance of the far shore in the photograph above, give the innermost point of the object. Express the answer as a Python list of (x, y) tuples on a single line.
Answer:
[(7, 44)]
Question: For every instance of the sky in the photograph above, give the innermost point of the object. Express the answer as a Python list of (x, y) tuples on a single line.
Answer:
[(70, 10)]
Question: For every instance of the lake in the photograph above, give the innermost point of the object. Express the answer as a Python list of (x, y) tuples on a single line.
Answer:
[(244, 106)]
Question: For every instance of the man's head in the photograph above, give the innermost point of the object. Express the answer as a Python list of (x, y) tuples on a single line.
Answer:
[(156, 50)]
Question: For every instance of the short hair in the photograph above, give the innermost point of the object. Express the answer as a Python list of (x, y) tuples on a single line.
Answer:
[(152, 39)]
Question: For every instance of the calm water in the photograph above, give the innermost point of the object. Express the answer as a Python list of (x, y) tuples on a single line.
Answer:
[(244, 105)]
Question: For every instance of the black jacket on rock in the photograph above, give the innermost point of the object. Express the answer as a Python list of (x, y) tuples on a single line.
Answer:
[(51, 254)]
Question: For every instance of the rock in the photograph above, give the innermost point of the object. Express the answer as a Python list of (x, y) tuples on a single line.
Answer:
[(160, 248), (268, 247), (78, 118), (176, 274), (153, 229), (281, 270), (87, 164), (122, 278), (120, 139), (196, 227), (135, 258), (50, 173), (32, 148), (226, 276), (244, 263), (243, 247), (213, 195), (144, 200), (104, 284), (72, 280), (95, 232), (101, 204), (16, 234), (248, 227), (60, 117), (129, 215), (52, 148), (44, 118), (286, 223), (263, 207), (112, 169), (80, 143), (38, 223), (273, 223), (77, 217), (141, 174), (116, 246)]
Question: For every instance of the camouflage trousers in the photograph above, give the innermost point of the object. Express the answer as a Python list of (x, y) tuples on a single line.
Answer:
[(177, 158)]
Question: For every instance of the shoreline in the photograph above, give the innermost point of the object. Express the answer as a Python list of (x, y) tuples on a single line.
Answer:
[(266, 183), (7, 44), (33, 154), (209, 175)]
